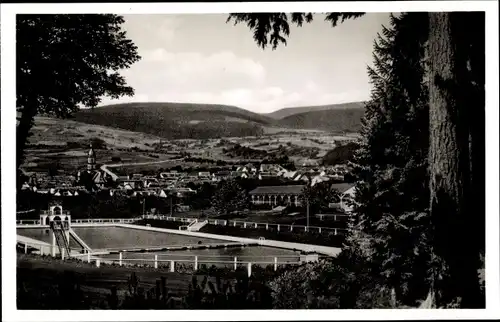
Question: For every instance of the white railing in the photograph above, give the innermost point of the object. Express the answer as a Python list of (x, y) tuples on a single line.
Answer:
[(63, 213), (250, 224), (191, 221), (105, 221), (157, 259), (96, 221), (27, 222), (47, 249), (335, 217)]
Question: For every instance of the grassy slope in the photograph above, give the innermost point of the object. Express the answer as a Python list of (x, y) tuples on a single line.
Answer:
[(53, 135), (340, 154), (54, 132), (289, 111), (335, 120)]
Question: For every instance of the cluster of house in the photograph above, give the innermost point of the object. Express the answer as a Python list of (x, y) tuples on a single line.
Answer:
[(173, 179), (266, 171), (171, 183)]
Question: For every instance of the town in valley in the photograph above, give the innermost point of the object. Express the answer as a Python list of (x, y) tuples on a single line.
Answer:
[(250, 161)]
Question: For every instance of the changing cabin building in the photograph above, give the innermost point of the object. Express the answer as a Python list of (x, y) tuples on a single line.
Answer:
[(276, 195)]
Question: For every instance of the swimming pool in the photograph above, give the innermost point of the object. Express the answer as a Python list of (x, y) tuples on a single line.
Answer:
[(120, 237)]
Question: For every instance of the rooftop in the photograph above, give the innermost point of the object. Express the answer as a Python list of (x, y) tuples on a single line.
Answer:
[(342, 187), (291, 190)]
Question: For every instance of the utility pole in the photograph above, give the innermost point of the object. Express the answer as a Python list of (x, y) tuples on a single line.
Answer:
[(307, 213), (171, 206), (309, 183)]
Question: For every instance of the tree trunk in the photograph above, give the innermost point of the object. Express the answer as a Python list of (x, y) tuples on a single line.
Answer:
[(449, 164)]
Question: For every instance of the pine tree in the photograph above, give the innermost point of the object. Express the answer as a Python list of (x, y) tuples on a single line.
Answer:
[(454, 173), (389, 231)]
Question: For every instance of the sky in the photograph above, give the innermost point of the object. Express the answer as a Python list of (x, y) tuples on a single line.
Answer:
[(198, 58)]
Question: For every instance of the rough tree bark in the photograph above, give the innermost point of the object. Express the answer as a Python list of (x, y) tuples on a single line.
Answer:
[(449, 164)]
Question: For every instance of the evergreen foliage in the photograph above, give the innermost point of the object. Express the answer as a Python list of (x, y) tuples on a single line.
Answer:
[(392, 227), (224, 291), (230, 197), (319, 196), (420, 172), (273, 28)]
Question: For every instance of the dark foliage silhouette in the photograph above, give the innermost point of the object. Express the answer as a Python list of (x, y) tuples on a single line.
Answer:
[(78, 56)]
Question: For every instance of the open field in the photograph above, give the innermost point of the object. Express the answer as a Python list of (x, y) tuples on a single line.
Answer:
[(70, 161), (301, 147), (63, 144), (289, 111), (334, 120), (56, 132)]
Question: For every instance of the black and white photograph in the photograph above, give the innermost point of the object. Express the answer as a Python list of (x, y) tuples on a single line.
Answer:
[(250, 157)]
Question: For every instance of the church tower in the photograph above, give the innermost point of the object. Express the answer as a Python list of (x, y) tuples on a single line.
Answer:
[(91, 159)]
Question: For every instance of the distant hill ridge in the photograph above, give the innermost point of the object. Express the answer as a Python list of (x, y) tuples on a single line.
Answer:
[(289, 111), (174, 107), (177, 120), (331, 120), (203, 121)]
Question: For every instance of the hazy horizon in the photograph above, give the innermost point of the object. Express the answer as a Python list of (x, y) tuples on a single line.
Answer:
[(191, 58)]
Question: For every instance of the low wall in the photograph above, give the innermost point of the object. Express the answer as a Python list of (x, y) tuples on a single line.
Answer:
[(331, 251)]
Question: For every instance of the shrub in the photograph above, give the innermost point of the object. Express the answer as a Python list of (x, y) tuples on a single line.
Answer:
[(335, 283), (98, 143)]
